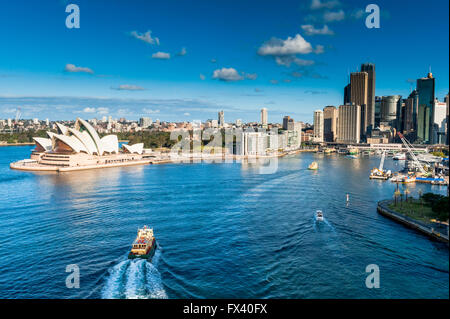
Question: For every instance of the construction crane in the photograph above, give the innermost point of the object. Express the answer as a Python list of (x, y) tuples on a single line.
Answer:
[(18, 113), (410, 149)]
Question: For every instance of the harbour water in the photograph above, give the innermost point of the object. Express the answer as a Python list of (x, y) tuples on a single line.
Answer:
[(224, 231)]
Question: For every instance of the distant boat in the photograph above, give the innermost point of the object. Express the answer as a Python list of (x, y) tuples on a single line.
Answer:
[(319, 215), (352, 156), (313, 166), (399, 157)]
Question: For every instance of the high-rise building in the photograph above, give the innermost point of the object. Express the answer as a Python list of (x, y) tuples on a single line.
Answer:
[(264, 117), (145, 122), (349, 124), (318, 126), (425, 90), (9, 123), (221, 119), (359, 96), (286, 121), (370, 109), (330, 116), (377, 110), (347, 94), (388, 111), (238, 122), (439, 122), (47, 122), (410, 120)]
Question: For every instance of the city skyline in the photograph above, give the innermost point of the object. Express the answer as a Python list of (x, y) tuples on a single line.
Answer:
[(218, 69)]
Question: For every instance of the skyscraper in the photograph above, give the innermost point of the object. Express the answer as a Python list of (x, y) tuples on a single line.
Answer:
[(377, 110), (388, 111), (145, 122), (330, 116), (370, 109), (349, 124), (410, 123), (359, 82), (347, 94), (318, 126), (286, 120), (221, 119), (264, 117), (425, 90)]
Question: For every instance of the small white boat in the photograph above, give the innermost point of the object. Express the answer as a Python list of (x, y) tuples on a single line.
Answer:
[(319, 215), (399, 157)]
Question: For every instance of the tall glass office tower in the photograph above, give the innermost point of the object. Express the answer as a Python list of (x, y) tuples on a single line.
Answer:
[(425, 91)]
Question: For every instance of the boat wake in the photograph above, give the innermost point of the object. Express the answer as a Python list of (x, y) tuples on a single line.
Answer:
[(318, 226), (134, 279)]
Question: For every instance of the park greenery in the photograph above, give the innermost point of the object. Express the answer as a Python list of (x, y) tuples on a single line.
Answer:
[(427, 207)]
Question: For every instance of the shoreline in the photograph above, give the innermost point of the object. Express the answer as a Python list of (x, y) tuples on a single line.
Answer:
[(16, 144), (383, 209), (35, 167)]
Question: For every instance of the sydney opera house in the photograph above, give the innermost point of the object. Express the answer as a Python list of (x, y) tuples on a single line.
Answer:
[(80, 147)]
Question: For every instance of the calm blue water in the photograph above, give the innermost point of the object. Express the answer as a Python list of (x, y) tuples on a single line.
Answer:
[(224, 231)]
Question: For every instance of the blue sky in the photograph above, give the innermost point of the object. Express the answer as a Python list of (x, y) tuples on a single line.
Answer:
[(291, 57)]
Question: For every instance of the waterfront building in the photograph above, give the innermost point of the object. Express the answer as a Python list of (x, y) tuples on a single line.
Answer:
[(77, 147), (359, 96), (238, 122), (369, 68), (425, 90), (318, 126), (264, 117), (221, 119), (439, 122), (330, 117), (9, 123), (349, 124), (253, 143)]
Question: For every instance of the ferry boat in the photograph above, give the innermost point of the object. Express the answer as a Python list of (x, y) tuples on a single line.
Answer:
[(144, 245), (313, 166), (319, 215)]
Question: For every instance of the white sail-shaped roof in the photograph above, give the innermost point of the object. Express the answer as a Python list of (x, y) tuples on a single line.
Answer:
[(71, 141), (135, 148), (110, 144), (86, 139), (45, 143), (62, 129), (82, 123)]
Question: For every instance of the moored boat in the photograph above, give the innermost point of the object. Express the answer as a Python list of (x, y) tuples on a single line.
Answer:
[(144, 245), (399, 157)]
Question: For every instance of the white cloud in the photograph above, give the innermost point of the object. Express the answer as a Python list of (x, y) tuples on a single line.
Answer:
[(89, 110), (334, 16), (100, 110), (319, 49), (277, 47), (150, 111), (274, 81), (290, 59), (146, 37), (182, 52), (252, 76), (227, 75), (161, 55), (317, 4), (310, 30), (187, 114), (74, 69), (128, 87), (202, 77)]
